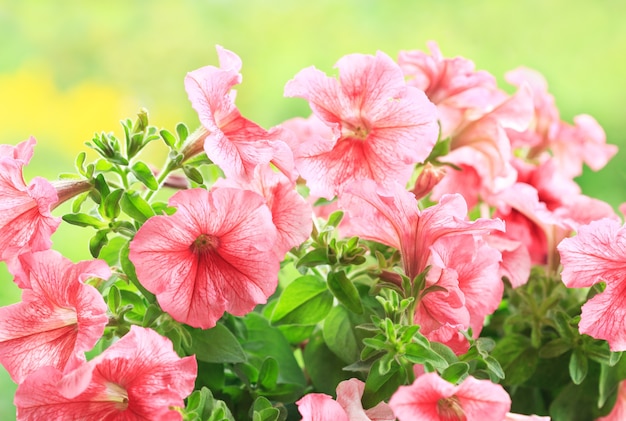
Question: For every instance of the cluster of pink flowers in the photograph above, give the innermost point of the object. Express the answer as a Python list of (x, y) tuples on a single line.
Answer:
[(366, 144)]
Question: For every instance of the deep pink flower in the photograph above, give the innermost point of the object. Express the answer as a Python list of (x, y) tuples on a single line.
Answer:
[(390, 215), (26, 223), (598, 254), (217, 253), (291, 213), (379, 127), (236, 144), (59, 317), (520, 417), (430, 398), (453, 84), (347, 407), (139, 377)]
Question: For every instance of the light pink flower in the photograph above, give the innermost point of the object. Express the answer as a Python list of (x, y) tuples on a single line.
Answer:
[(236, 144), (569, 145), (26, 223), (59, 317), (430, 398), (390, 215), (217, 253), (291, 213), (347, 407), (379, 127), (453, 84), (139, 377), (483, 145), (598, 254), (618, 413)]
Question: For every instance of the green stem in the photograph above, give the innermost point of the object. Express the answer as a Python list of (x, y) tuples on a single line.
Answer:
[(167, 169)]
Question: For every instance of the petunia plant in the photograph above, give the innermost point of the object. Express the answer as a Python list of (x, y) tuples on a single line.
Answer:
[(414, 249)]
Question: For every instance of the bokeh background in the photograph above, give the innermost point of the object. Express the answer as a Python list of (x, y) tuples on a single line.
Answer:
[(70, 68)]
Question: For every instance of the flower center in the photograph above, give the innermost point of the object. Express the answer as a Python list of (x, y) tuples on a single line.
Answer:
[(450, 409), (204, 243), (116, 394)]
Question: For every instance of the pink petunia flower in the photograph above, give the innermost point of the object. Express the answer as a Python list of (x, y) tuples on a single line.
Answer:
[(520, 417), (26, 223), (569, 145), (291, 213), (468, 268), (377, 127), (453, 84), (236, 144), (139, 377), (390, 215), (59, 317), (217, 253), (598, 254), (430, 398), (347, 407)]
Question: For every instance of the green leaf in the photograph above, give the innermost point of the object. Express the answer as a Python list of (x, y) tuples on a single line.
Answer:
[(215, 345), (517, 357), (456, 373), (84, 220), (262, 410), (344, 290), (305, 301), (98, 241), (263, 340), (80, 162), (380, 387), (554, 348), (334, 218), (578, 366), (418, 354), (110, 253), (144, 174), (608, 384), (168, 138), (315, 257), (193, 174), (114, 299), (136, 207), (268, 375), (78, 202), (205, 407), (111, 204), (323, 366), (182, 131), (340, 335)]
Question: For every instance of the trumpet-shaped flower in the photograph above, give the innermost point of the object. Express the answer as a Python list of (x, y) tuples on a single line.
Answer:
[(233, 142), (390, 215), (598, 254), (379, 127), (430, 398), (26, 223), (217, 253), (347, 407), (139, 377), (59, 317)]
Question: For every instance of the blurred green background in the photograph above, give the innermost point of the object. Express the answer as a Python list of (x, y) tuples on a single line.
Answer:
[(70, 68)]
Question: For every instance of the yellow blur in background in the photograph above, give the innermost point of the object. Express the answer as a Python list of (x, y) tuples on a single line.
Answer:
[(69, 68)]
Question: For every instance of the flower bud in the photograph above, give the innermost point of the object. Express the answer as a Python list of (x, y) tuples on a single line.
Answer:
[(427, 180)]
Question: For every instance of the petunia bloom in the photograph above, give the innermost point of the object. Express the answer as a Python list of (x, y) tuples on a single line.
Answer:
[(598, 254), (431, 398), (60, 317), (236, 144), (139, 377), (26, 223), (377, 127), (217, 253), (347, 407), (390, 215), (291, 213)]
